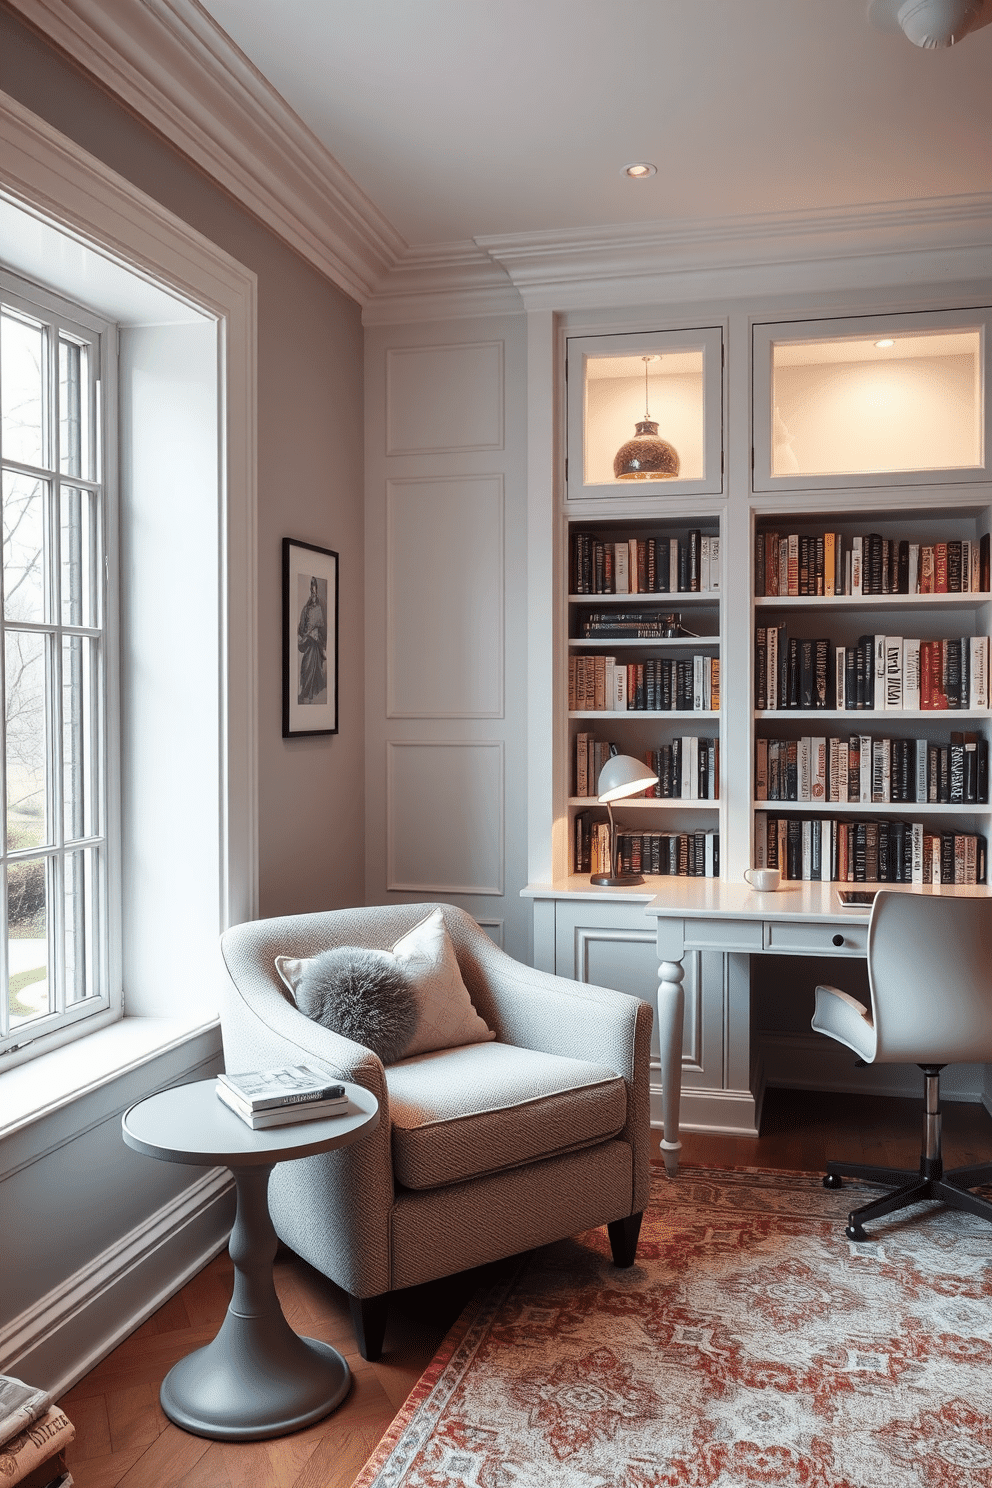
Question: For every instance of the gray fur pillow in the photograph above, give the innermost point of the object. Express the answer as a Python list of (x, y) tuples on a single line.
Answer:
[(363, 995)]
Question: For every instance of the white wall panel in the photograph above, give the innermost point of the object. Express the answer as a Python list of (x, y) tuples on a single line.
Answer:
[(444, 807), (443, 399), (444, 598)]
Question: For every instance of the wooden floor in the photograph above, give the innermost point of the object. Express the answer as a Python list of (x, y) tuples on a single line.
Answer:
[(123, 1438)]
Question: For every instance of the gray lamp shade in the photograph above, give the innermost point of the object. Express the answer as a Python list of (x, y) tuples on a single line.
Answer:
[(623, 775)]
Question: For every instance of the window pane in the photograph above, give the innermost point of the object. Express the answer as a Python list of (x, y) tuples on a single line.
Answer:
[(77, 736), (27, 940), (866, 404), (79, 556), (22, 390), (74, 410), (81, 891), (27, 733), (618, 397), (23, 547)]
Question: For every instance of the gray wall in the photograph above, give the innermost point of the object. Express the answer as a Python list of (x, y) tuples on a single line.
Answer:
[(311, 795)]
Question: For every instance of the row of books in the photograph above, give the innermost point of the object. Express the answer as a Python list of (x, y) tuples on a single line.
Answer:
[(828, 563), (877, 672), (645, 565), (815, 848), (280, 1097), (688, 768), (660, 685), (864, 768), (672, 854), (645, 623)]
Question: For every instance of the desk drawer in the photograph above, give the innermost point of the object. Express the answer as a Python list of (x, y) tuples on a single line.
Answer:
[(723, 935), (803, 939)]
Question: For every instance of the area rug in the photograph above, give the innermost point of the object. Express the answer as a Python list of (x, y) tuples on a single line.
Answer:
[(752, 1343)]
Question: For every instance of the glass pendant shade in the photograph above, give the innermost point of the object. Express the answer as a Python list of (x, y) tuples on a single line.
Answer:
[(647, 456)]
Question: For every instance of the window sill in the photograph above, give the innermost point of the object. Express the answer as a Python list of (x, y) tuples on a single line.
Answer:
[(32, 1091)]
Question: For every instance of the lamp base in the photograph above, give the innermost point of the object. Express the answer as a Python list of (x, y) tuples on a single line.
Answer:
[(618, 881)]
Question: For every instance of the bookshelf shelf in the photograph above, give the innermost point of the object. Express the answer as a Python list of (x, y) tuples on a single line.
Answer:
[(871, 715), (659, 599), (907, 809), (658, 803), (871, 602), (618, 643), (640, 715)]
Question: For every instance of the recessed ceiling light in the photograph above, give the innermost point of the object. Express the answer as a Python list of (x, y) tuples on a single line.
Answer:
[(885, 343), (640, 170)]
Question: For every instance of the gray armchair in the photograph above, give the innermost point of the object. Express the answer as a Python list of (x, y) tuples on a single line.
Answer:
[(481, 1152)]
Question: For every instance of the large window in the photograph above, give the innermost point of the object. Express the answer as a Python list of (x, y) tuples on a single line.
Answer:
[(54, 614)]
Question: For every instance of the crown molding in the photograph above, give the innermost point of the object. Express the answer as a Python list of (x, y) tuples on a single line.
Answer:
[(945, 238), (439, 281), (173, 66)]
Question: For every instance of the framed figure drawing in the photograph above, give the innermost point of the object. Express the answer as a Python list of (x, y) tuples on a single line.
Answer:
[(310, 639)]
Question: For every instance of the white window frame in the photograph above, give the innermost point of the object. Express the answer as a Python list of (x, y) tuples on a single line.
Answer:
[(105, 225), (102, 994)]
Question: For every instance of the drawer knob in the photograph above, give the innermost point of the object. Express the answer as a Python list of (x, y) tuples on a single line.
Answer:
[(838, 940)]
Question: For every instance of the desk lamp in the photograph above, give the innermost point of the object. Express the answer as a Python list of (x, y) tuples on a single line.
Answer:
[(621, 776)]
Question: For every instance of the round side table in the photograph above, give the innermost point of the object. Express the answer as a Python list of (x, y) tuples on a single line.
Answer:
[(257, 1378)]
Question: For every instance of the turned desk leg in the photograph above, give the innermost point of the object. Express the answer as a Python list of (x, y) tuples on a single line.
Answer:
[(671, 1006)]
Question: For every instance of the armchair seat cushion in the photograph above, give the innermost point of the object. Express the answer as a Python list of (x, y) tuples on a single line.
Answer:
[(460, 1113)]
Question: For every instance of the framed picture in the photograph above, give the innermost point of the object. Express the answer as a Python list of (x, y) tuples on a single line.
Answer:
[(310, 639)]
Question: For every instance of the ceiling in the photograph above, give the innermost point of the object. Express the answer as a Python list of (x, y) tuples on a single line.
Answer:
[(466, 118)]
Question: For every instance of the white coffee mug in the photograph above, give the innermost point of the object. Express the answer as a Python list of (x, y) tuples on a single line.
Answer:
[(765, 880)]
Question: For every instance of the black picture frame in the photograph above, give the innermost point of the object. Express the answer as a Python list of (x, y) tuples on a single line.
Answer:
[(309, 639)]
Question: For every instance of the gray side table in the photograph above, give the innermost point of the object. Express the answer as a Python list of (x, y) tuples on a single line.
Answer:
[(257, 1378)]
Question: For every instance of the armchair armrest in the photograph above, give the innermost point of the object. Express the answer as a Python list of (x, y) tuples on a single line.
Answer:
[(554, 1015), (262, 1029)]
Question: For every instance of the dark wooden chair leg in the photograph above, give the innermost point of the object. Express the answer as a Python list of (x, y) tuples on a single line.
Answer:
[(368, 1316), (623, 1239)]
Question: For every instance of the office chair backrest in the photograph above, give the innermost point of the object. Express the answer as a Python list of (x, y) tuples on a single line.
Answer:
[(930, 970)]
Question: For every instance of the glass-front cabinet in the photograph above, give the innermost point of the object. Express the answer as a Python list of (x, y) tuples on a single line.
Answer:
[(645, 414), (869, 402)]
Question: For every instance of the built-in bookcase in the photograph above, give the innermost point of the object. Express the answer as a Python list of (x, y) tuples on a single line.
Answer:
[(644, 679), (870, 600), (644, 577)]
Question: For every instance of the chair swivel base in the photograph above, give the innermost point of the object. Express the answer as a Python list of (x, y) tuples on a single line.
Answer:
[(930, 1182)]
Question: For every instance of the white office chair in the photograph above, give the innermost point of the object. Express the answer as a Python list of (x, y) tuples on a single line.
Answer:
[(930, 974)]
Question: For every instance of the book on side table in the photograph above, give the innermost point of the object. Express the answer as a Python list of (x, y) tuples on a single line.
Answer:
[(278, 1097)]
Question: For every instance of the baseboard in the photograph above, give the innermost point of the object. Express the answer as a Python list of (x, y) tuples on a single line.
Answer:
[(729, 1112), (62, 1336), (799, 1061)]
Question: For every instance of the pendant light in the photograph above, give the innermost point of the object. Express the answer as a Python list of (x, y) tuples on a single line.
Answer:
[(646, 456)]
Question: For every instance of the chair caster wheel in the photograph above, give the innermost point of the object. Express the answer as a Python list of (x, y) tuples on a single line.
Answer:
[(833, 1180), (856, 1232)]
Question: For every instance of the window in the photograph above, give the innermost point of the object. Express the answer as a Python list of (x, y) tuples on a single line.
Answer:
[(54, 616)]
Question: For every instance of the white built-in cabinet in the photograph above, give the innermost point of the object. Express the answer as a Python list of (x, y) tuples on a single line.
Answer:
[(789, 425)]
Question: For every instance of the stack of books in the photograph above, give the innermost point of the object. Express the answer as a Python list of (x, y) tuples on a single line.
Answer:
[(279, 1097), (33, 1437)]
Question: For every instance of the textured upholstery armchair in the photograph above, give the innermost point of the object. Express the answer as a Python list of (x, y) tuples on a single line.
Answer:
[(482, 1151)]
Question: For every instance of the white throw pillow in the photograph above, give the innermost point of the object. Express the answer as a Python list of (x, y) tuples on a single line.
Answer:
[(446, 1018)]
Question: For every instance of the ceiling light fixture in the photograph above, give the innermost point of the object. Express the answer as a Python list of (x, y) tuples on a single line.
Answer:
[(884, 344), (930, 23), (640, 170), (646, 457)]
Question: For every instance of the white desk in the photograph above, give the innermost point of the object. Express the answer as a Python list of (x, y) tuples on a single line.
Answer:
[(702, 914)]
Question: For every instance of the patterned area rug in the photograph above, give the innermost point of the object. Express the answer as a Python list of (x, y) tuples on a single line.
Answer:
[(751, 1344)]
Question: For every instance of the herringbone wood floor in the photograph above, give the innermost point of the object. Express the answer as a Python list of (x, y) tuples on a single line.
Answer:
[(123, 1438)]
